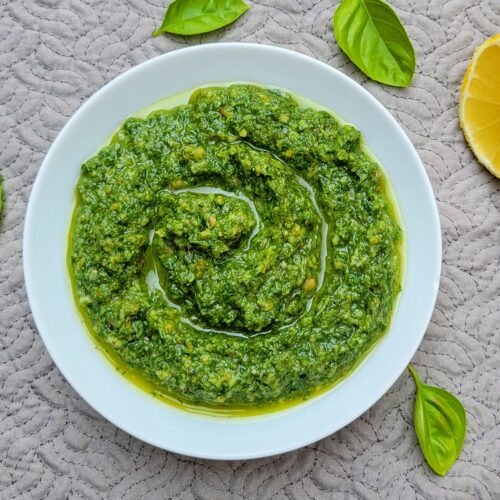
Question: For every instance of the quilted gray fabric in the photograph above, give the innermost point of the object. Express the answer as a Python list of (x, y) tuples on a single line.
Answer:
[(53, 55)]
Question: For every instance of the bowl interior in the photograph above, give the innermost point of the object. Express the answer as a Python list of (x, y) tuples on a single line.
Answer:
[(49, 291)]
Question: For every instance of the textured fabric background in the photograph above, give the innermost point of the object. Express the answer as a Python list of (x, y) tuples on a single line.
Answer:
[(53, 55)]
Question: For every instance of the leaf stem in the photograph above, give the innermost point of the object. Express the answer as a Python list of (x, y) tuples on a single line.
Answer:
[(415, 376)]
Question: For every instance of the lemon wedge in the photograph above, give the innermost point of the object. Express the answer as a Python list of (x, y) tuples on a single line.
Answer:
[(479, 107)]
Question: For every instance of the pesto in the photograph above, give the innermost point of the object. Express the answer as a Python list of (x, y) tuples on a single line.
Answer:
[(240, 250)]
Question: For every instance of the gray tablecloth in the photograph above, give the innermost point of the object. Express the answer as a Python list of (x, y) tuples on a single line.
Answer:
[(53, 55)]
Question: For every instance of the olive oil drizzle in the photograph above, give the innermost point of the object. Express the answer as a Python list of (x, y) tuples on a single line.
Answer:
[(155, 275)]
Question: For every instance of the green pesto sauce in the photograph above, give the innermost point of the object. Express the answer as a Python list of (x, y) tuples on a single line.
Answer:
[(240, 251)]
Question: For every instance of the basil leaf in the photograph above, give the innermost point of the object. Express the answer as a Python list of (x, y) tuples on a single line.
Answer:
[(192, 17), (440, 424), (372, 36)]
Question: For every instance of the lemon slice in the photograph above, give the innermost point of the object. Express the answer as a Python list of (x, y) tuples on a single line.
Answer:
[(479, 107)]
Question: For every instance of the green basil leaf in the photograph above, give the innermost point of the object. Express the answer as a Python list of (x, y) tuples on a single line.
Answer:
[(440, 424), (193, 17), (372, 36)]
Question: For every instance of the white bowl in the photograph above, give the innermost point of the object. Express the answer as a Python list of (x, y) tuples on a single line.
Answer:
[(48, 286)]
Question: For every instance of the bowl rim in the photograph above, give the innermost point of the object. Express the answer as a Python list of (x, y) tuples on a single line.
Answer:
[(38, 187)]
